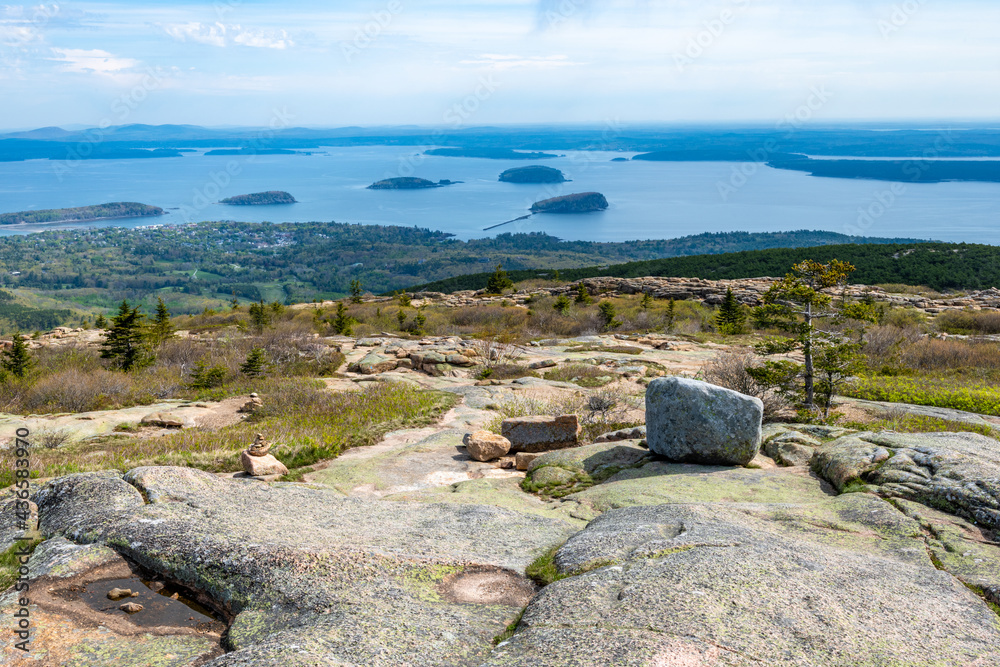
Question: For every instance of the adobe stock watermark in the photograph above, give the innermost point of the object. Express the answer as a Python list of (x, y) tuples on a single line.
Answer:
[(741, 173), (225, 7), (22, 516), (563, 12), (121, 109), (217, 181), (368, 34), (455, 116), (900, 17), (882, 201), (713, 30)]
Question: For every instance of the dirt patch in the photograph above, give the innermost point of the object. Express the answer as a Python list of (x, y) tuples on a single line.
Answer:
[(488, 585)]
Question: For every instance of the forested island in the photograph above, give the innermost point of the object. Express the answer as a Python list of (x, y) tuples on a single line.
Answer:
[(907, 171), (533, 174), (582, 202), (112, 211), (269, 198), (16, 150), (490, 153), (254, 151), (409, 183)]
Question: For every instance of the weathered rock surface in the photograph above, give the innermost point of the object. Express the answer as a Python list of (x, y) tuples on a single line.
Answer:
[(486, 446), (732, 584), (958, 472), (636, 433), (792, 448), (262, 466), (541, 434), (374, 363), (696, 422), (315, 578)]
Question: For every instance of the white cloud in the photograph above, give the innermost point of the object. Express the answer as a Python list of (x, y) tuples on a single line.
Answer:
[(93, 61), (222, 35), (506, 62)]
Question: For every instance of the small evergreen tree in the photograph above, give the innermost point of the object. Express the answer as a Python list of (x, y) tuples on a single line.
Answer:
[(401, 318), (419, 322), (205, 377), (343, 324), (100, 322), (556, 275), (583, 296), (162, 328), (234, 303), (356, 291), (606, 309), (499, 282), (255, 363), (277, 307), (731, 318), (647, 301), (260, 316), (671, 315), (404, 300), (17, 359), (562, 305), (126, 342)]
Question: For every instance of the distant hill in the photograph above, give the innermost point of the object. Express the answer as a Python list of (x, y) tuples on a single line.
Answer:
[(269, 198), (489, 153), (110, 211), (533, 174), (581, 202), (957, 266)]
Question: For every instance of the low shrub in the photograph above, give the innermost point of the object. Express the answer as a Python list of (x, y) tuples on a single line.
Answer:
[(977, 397), (969, 322)]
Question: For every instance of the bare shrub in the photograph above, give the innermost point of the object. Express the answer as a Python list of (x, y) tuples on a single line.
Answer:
[(883, 344), (496, 350), (969, 321), (729, 369), (944, 354)]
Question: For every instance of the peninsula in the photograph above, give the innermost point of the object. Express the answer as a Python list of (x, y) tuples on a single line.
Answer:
[(583, 202), (112, 211), (269, 198), (533, 174)]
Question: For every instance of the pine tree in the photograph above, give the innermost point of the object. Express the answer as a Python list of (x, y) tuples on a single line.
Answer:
[(562, 305), (17, 359), (260, 316), (671, 315), (582, 295), (419, 322), (343, 324), (647, 301), (255, 363), (401, 318), (606, 309), (162, 328), (205, 377), (404, 300), (100, 322), (731, 318), (126, 342), (356, 291), (499, 282), (234, 303)]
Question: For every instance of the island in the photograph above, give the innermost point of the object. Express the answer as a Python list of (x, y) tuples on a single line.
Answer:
[(583, 202), (269, 198), (619, 159), (409, 183), (253, 151), (533, 174), (916, 170), (112, 211), (489, 153)]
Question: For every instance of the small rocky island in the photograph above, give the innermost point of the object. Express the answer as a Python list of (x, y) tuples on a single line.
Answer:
[(583, 202), (533, 174), (270, 198), (409, 183), (111, 211)]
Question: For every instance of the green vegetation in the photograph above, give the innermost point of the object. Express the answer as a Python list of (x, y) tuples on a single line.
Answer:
[(270, 198), (533, 174), (404, 183), (255, 364), (99, 212), (127, 342), (732, 318), (582, 202), (499, 282), (543, 570), (909, 423), (979, 396), (16, 360)]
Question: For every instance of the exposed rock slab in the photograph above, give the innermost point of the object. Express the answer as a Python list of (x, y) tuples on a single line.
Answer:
[(541, 434), (956, 472)]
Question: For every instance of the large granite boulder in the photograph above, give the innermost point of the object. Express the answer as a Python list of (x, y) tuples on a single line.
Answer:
[(541, 434), (955, 472), (697, 422)]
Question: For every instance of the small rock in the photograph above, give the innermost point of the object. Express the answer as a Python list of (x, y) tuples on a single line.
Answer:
[(486, 446), (163, 419), (119, 593), (541, 434), (251, 405), (544, 363), (524, 459), (262, 466), (131, 608)]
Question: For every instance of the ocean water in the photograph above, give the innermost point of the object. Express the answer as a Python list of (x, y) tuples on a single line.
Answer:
[(648, 199)]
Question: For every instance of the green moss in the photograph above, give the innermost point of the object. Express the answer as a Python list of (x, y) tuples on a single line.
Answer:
[(543, 570), (981, 592), (510, 629), (10, 562)]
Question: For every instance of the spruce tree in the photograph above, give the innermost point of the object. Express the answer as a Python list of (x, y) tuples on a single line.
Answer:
[(499, 282), (562, 305), (126, 342), (606, 309), (162, 328), (582, 295), (255, 363), (343, 324), (100, 322), (17, 359), (671, 315), (647, 301), (260, 316), (356, 291), (731, 318), (401, 318)]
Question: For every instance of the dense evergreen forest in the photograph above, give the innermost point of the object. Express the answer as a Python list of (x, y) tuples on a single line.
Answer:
[(941, 266)]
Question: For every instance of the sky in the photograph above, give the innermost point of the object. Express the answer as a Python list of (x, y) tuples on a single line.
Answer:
[(486, 62)]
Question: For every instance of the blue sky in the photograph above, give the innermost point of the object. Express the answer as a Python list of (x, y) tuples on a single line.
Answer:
[(479, 62)]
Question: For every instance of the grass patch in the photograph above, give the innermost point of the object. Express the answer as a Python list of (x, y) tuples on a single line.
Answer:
[(543, 569), (584, 375), (306, 422), (921, 424), (10, 563), (978, 397), (510, 629)]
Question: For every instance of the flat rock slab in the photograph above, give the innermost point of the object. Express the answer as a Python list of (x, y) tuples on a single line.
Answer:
[(541, 434), (725, 584), (311, 577), (956, 472)]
